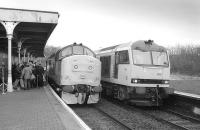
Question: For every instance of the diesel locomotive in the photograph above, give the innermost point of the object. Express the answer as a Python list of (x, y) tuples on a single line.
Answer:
[(74, 73), (138, 72)]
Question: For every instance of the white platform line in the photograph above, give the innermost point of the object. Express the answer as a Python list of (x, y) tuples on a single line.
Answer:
[(80, 121), (187, 94)]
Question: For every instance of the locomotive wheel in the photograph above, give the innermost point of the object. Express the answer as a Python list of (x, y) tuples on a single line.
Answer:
[(122, 93)]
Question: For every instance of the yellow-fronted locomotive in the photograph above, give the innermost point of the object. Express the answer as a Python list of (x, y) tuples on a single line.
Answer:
[(75, 74)]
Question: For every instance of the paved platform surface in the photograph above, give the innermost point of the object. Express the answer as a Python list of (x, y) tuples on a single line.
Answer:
[(35, 109)]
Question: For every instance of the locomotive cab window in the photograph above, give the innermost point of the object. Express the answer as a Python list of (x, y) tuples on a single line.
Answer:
[(66, 52), (142, 57), (160, 58), (123, 57), (153, 58), (74, 50), (88, 52), (78, 50)]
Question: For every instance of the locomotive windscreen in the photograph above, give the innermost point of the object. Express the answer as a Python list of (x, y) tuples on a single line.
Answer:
[(154, 58), (75, 50)]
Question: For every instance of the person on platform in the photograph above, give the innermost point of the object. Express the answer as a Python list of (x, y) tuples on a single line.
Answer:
[(17, 74), (14, 66), (39, 70), (33, 77), (26, 75)]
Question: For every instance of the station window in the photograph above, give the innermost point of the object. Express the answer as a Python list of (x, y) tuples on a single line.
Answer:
[(123, 57)]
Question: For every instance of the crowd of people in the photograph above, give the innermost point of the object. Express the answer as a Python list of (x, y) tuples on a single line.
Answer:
[(27, 76)]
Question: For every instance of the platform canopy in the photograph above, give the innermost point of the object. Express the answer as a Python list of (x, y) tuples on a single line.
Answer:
[(33, 29)]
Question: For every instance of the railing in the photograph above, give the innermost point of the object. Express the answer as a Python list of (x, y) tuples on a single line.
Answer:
[(3, 85)]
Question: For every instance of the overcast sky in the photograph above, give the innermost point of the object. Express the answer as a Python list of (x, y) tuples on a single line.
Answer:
[(102, 23)]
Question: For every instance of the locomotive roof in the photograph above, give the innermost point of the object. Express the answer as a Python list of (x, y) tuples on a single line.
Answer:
[(147, 46), (138, 45)]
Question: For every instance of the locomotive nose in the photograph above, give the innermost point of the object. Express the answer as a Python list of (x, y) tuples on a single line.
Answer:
[(83, 65)]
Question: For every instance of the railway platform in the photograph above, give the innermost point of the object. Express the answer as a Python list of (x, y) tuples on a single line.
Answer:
[(186, 86), (36, 109)]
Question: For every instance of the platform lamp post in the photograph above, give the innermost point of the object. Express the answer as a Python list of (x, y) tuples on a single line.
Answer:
[(28, 57), (19, 50), (19, 46), (24, 54), (31, 55), (9, 27)]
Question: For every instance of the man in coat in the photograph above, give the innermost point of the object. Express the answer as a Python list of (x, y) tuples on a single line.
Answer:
[(26, 75)]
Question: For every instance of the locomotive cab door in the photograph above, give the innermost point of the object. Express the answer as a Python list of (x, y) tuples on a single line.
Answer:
[(116, 65)]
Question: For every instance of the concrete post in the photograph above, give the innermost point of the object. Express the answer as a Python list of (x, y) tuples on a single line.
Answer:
[(9, 26)]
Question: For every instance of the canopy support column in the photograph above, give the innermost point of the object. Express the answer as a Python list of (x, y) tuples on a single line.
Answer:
[(19, 45), (9, 26)]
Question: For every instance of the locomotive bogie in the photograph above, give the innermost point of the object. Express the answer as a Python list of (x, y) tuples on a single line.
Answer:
[(80, 98)]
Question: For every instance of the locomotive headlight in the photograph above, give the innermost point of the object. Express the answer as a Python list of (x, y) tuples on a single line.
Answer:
[(166, 81), (75, 66), (135, 81)]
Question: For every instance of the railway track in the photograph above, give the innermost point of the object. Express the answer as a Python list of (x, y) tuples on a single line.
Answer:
[(194, 123), (98, 119), (167, 116), (113, 114), (185, 116), (175, 119), (106, 115), (114, 119)]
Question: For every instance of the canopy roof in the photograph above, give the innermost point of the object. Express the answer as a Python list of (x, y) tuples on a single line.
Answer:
[(33, 30)]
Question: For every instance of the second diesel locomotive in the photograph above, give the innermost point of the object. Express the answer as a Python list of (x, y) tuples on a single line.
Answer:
[(75, 74), (138, 72)]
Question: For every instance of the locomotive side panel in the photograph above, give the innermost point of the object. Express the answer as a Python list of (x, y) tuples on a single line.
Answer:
[(124, 72), (57, 70), (51, 71)]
